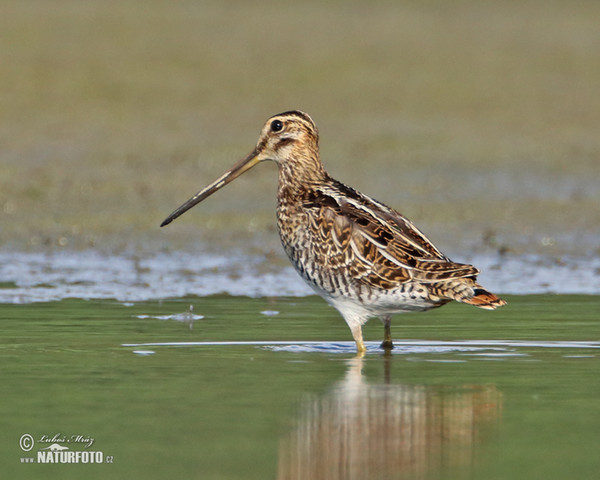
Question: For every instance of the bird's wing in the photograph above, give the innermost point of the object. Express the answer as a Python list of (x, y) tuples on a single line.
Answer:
[(373, 243)]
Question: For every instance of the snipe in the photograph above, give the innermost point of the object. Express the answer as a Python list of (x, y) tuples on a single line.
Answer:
[(364, 258)]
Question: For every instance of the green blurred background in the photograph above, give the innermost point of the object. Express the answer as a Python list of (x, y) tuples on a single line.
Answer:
[(479, 120)]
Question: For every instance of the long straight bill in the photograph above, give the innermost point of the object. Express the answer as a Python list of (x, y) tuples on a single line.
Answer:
[(242, 166)]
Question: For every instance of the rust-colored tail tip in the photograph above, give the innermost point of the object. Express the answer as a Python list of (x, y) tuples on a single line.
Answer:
[(486, 300)]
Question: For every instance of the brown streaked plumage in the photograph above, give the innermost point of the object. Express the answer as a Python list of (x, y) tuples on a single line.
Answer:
[(362, 257)]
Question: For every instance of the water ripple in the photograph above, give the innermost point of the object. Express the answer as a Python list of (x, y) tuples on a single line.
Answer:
[(480, 348), (44, 277)]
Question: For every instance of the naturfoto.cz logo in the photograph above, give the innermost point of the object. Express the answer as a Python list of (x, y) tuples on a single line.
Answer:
[(58, 449)]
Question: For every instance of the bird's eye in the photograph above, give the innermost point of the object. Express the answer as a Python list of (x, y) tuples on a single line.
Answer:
[(276, 125)]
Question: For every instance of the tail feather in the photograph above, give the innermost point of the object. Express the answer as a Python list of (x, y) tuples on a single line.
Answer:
[(467, 291), (484, 299)]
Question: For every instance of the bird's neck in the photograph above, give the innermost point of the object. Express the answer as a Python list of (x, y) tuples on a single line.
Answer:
[(298, 172)]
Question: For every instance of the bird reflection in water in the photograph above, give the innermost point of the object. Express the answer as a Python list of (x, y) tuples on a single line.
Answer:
[(362, 430)]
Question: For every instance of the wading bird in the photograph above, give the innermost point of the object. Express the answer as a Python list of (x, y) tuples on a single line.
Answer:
[(364, 258)]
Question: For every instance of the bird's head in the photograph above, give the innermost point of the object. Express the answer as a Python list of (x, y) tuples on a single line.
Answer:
[(290, 139)]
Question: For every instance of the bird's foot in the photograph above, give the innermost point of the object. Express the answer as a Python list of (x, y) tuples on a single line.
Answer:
[(360, 349)]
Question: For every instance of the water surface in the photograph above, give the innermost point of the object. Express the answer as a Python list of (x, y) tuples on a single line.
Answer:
[(270, 388), (55, 275)]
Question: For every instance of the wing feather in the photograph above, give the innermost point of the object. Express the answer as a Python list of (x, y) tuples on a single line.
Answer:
[(375, 244)]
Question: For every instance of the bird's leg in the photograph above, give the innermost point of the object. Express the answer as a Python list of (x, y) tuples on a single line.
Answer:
[(355, 321), (387, 343), (356, 329)]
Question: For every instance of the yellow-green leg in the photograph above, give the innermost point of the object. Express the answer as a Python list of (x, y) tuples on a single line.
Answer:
[(387, 343), (360, 349), (356, 330), (355, 321)]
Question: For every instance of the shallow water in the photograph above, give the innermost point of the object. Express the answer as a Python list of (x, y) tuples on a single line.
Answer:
[(41, 277), (270, 388)]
